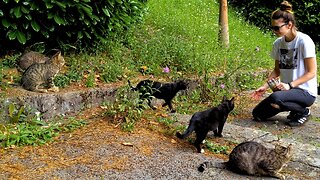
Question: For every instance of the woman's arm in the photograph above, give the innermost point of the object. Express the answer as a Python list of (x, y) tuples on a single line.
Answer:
[(276, 70), (310, 65)]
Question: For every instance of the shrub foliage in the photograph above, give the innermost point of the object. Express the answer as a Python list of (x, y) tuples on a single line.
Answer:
[(306, 12), (79, 23)]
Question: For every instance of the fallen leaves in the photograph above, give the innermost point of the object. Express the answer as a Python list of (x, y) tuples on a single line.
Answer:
[(127, 144), (173, 141)]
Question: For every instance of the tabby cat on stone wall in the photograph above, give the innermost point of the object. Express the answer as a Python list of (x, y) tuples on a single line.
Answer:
[(253, 158), (39, 74), (29, 58)]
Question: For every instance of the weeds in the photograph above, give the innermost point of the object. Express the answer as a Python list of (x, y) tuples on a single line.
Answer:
[(124, 110), (35, 132), (166, 121), (10, 60), (27, 133), (112, 72), (62, 81), (316, 119), (90, 82), (15, 114), (217, 149), (72, 124), (25, 127)]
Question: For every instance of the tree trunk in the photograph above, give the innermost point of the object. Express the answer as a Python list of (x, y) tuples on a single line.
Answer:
[(223, 24)]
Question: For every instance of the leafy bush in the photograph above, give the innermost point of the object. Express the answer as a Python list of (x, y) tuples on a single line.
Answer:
[(64, 22), (305, 11)]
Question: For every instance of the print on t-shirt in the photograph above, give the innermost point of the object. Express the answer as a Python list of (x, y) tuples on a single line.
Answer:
[(288, 58)]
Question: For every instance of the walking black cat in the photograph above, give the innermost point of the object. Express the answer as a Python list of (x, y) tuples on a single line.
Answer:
[(166, 91), (212, 119)]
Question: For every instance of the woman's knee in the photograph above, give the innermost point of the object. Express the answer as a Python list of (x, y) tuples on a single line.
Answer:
[(275, 97)]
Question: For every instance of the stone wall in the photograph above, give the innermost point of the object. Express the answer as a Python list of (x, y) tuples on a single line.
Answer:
[(58, 104)]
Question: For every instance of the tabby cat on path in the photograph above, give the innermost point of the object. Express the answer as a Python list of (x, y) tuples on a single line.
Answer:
[(253, 158)]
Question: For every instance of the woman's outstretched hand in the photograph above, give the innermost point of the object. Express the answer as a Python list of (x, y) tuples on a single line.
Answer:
[(258, 93)]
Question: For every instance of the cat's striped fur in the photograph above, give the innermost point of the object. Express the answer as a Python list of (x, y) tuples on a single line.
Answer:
[(29, 58), (253, 158), (43, 74)]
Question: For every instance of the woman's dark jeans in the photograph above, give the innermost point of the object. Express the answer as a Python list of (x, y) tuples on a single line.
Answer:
[(295, 100)]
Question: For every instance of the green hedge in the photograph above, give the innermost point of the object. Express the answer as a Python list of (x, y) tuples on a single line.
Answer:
[(306, 12), (78, 23)]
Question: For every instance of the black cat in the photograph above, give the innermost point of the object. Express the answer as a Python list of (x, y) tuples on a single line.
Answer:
[(166, 91), (212, 119)]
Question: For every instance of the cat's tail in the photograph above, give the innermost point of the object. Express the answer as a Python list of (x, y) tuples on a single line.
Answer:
[(189, 130), (179, 135), (186, 133), (209, 164), (132, 88)]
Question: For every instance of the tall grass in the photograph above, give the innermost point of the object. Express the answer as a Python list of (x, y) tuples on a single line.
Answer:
[(193, 27)]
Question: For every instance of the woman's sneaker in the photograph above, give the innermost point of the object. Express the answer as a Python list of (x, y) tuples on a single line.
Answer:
[(292, 115), (299, 120)]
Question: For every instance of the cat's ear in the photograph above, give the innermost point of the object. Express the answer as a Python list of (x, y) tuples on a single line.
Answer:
[(290, 149), (224, 98), (59, 54), (56, 55), (232, 100), (58, 59)]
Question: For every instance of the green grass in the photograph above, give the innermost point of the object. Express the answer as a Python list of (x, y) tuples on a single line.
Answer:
[(315, 119), (195, 24), (125, 110)]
